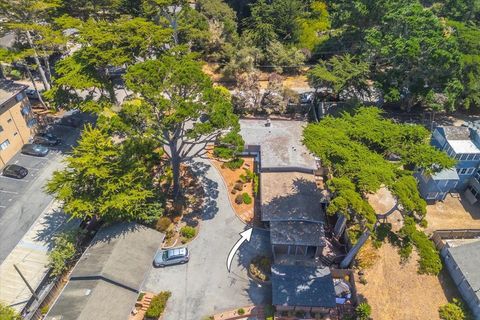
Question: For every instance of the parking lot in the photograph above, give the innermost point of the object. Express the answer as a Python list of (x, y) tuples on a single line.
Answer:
[(23, 200)]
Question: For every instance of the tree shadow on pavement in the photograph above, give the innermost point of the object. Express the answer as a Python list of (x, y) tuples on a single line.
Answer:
[(52, 224), (259, 245), (209, 208)]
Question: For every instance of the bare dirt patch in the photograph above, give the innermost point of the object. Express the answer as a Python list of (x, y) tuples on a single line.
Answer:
[(453, 213), (396, 291), (384, 203)]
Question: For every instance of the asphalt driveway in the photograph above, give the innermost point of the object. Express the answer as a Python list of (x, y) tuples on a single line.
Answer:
[(22, 201), (203, 286)]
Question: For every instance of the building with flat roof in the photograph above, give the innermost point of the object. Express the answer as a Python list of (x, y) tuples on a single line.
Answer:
[(17, 121), (106, 281)]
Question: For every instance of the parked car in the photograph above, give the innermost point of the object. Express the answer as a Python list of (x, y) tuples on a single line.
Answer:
[(33, 149), (32, 94), (71, 122), (171, 256), (15, 171), (46, 139)]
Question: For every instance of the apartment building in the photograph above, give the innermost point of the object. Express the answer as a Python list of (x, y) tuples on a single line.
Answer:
[(17, 122)]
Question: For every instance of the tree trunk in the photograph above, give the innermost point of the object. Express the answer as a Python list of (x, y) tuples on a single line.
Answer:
[(175, 161), (35, 87), (3, 74), (47, 69), (46, 84)]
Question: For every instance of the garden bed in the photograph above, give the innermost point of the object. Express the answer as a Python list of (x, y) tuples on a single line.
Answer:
[(259, 269), (241, 185), (180, 222)]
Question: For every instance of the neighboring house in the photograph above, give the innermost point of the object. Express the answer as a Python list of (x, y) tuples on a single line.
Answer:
[(462, 259), (461, 143), (105, 283), (17, 121)]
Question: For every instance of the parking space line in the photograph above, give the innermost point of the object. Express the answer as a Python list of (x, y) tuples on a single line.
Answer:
[(19, 180), (9, 192)]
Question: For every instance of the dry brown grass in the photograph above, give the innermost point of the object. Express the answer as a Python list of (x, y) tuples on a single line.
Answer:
[(397, 292), (453, 213)]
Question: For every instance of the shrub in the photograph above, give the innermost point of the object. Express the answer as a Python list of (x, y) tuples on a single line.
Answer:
[(249, 175), (239, 199), (255, 184), (8, 313), (234, 191), (246, 198), (63, 251), (158, 304), (363, 311), (188, 232), (452, 311), (260, 268), (15, 75), (423, 223), (430, 262), (238, 186), (269, 312), (163, 223), (43, 310), (140, 296), (241, 311), (243, 178), (234, 164)]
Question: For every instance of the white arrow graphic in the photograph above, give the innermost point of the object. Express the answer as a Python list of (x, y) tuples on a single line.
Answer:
[(245, 236)]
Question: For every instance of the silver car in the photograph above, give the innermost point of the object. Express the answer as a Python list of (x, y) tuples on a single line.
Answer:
[(171, 256)]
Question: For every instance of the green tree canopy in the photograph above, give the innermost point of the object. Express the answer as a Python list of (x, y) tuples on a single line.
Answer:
[(106, 180), (341, 74), (356, 147), (179, 108), (8, 313)]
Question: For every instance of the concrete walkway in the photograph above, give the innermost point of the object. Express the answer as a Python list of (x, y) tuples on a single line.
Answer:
[(203, 286), (30, 255)]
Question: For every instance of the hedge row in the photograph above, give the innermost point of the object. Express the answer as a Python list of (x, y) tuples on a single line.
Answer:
[(430, 262)]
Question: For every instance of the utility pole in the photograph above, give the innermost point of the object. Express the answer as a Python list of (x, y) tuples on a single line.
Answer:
[(26, 282)]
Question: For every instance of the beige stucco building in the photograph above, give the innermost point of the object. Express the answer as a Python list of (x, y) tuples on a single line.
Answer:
[(17, 121)]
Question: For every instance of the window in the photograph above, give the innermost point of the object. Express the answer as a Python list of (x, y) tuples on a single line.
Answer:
[(458, 156), (471, 156), (26, 110), (9, 120), (466, 170), (432, 195), (31, 122), (1, 128), (15, 134), (20, 96), (4, 144), (463, 157), (477, 157), (470, 170)]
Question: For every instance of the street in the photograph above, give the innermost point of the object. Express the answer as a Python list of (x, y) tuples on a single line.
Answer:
[(23, 200)]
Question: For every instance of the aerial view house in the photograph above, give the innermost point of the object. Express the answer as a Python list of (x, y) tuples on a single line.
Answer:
[(16, 119), (291, 208), (106, 281), (461, 143)]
